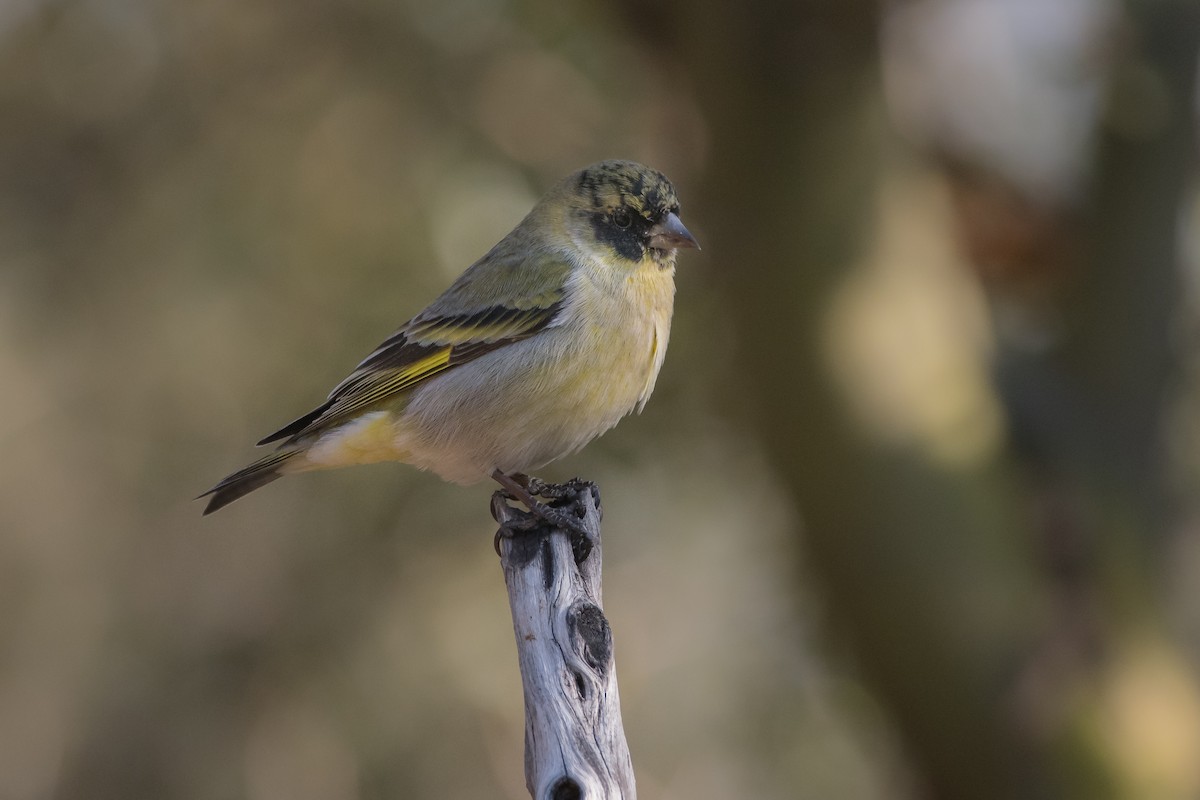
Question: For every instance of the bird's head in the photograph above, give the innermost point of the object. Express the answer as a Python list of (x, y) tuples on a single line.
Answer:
[(626, 211)]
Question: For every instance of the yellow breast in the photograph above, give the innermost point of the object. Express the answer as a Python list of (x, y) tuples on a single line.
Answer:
[(625, 322)]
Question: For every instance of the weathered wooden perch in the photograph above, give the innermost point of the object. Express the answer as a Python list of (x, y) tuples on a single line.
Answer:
[(574, 743)]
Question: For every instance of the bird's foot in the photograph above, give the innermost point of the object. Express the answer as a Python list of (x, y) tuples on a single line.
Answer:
[(563, 510), (559, 491)]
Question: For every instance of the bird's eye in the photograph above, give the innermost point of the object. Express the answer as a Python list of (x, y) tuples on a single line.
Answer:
[(621, 218)]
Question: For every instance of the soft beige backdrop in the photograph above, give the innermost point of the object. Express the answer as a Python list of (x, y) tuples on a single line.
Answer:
[(209, 211)]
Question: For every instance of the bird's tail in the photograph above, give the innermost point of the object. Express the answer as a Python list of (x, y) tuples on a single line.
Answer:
[(244, 481)]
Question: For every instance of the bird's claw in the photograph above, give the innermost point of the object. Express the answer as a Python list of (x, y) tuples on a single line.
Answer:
[(559, 512), (514, 526), (553, 491)]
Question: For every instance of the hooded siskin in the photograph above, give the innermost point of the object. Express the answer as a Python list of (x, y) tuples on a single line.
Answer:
[(540, 346)]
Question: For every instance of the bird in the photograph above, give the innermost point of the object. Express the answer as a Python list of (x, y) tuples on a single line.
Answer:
[(543, 344)]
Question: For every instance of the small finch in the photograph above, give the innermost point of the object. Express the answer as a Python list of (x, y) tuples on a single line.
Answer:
[(540, 346)]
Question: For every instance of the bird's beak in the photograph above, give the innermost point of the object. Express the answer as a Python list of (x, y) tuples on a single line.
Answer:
[(670, 234)]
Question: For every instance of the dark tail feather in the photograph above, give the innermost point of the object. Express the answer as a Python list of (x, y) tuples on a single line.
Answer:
[(244, 481), (296, 425)]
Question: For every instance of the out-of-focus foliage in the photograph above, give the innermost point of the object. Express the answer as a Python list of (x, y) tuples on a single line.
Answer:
[(209, 211)]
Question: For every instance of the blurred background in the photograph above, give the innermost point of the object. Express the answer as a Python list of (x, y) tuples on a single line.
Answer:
[(913, 513)]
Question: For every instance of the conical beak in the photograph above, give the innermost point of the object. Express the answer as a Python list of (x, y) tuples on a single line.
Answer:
[(670, 234)]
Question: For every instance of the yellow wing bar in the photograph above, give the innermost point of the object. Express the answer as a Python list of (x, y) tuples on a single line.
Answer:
[(417, 352)]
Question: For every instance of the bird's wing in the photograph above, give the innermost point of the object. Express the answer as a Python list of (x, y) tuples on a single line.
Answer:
[(525, 295)]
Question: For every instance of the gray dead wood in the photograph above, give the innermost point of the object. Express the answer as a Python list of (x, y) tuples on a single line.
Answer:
[(575, 745)]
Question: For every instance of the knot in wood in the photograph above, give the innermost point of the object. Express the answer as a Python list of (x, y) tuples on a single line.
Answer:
[(587, 621), (566, 789)]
